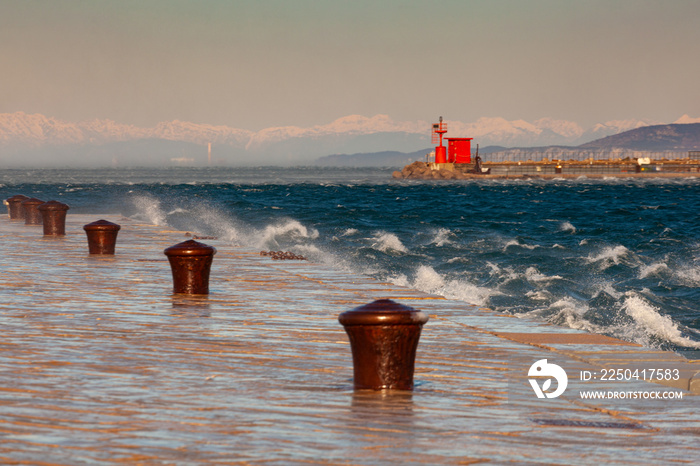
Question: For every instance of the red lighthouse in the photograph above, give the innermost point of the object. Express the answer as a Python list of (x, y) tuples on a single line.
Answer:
[(440, 151), (458, 150)]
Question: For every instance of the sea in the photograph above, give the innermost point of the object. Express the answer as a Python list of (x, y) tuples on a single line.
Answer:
[(612, 256)]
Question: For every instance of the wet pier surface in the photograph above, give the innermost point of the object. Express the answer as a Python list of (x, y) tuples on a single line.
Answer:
[(101, 364)]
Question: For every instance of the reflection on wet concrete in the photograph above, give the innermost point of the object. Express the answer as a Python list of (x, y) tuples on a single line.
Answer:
[(101, 363), (195, 305)]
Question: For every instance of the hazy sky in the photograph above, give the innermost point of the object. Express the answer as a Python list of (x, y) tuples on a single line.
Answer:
[(261, 63)]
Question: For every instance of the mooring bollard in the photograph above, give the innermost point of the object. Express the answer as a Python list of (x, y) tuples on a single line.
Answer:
[(14, 206), (190, 262), (54, 218), (383, 338), (101, 236), (32, 216)]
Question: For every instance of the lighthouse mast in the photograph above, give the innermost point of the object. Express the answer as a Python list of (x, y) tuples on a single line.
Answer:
[(439, 129)]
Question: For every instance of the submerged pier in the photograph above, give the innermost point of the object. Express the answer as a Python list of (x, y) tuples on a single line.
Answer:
[(101, 363)]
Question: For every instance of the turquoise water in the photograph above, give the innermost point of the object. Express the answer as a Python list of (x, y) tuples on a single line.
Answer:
[(617, 257)]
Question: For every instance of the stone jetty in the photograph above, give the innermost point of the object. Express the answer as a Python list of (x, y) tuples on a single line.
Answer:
[(546, 169), (439, 171)]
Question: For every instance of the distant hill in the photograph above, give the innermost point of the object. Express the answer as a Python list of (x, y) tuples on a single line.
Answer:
[(652, 138), (656, 142), (372, 159)]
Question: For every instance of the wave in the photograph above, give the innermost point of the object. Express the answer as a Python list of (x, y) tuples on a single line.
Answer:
[(428, 280), (571, 313), (609, 256), (656, 269), (149, 209), (567, 227), (284, 232), (442, 237), (515, 242), (534, 275), (652, 324), (208, 220), (688, 275), (388, 242)]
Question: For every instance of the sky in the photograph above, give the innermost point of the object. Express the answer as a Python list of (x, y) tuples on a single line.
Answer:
[(265, 63)]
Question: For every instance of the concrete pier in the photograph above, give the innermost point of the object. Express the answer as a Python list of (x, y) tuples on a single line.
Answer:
[(100, 363)]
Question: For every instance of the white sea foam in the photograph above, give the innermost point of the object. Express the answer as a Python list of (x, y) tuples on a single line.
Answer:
[(459, 259), (567, 227), (205, 219), (688, 275), (507, 274), (400, 280), (652, 270), (534, 275), (515, 242), (429, 280), (312, 251), (494, 268), (289, 230), (609, 256), (387, 242), (570, 312), (202, 218), (442, 237), (652, 322), (539, 295), (608, 288), (149, 209)]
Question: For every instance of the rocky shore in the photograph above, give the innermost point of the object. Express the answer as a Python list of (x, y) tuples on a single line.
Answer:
[(438, 171)]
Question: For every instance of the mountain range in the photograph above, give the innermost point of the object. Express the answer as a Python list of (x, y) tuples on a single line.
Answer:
[(35, 139)]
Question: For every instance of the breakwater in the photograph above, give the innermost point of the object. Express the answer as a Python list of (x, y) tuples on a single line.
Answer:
[(555, 169)]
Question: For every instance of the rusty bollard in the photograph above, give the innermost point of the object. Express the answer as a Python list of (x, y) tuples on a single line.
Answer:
[(190, 262), (14, 206), (101, 236), (383, 338), (54, 218), (32, 216)]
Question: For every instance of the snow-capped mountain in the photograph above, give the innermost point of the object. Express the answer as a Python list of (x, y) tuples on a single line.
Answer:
[(200, 134), (609, 128), (490, 131), (686, 120), (352, 125), (33, 134)]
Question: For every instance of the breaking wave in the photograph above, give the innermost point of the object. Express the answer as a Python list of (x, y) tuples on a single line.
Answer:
[(652, 324), (388, 242)]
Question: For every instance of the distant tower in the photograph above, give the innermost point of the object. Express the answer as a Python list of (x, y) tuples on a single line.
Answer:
[(209, 155), (439, 129)]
